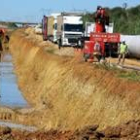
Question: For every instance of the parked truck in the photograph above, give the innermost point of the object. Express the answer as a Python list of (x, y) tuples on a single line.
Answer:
[(49, 25), (54, 15), (102, 41), (69, 29)]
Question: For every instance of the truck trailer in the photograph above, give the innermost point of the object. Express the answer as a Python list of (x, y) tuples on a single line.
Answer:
[(69, 29), (49, 25)]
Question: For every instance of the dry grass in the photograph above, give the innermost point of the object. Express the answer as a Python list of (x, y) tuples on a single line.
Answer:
[(74, 94)]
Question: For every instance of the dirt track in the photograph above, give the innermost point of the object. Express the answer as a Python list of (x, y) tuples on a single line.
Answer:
[(66, 92)]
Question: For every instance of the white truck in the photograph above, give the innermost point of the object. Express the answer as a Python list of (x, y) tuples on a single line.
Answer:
[(49, 27), (69, 29), (54, 16)]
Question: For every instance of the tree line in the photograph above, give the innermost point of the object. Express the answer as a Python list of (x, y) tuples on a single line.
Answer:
[(126, 20)]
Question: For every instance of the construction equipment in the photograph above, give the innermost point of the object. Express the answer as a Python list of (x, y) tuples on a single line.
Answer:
[(108, 41)]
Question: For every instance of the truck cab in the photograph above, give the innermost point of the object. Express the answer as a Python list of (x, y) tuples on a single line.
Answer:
[(69, 29)]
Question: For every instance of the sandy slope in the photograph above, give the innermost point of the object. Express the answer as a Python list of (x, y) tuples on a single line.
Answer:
[(70, 93)]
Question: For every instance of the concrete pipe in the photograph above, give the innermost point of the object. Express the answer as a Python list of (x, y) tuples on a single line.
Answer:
[(133, 42)]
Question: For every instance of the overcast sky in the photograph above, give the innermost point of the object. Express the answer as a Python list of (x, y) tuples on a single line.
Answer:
[(32, 10)]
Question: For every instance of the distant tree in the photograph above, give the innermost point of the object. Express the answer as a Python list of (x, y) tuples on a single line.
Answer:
[(126, 20), (88, 17), (12, 25)]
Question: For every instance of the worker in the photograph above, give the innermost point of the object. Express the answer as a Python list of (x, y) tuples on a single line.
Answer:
[(98, 13), (122, 51), (97, 51), (103, 12)]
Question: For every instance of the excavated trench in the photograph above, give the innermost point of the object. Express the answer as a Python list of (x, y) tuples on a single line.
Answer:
[(71, 93), (9, 92), (11, 99)]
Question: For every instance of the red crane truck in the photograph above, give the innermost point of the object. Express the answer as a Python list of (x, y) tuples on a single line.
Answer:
[(108, 41)]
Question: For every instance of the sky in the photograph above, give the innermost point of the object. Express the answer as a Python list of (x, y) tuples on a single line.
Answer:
[(33, 10)]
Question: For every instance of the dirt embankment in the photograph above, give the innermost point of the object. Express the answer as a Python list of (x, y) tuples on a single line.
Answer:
[(71, 93)]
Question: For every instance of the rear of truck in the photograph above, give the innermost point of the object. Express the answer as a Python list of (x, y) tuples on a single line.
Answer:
[(50, 28)]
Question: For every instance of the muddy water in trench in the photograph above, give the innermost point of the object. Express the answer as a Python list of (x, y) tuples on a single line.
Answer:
[(10, 95), (9, 92), (18, 126)]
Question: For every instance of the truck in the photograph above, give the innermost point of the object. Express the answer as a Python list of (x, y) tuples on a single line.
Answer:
[(103, 35), (54, 15), (38, 29), (49, 27), (69, 29)]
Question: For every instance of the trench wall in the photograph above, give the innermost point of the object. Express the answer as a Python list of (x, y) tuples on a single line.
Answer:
[(72, 93)]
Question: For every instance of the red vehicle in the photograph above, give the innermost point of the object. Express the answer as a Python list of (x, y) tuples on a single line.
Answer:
[(108, 41)]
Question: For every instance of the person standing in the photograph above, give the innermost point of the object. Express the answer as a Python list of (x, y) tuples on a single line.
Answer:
[(122, 50)]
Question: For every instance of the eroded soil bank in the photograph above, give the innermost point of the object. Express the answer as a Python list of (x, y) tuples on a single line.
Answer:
[(69, 93)]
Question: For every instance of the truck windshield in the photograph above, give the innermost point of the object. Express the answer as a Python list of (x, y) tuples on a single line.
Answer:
[(73, 27)]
